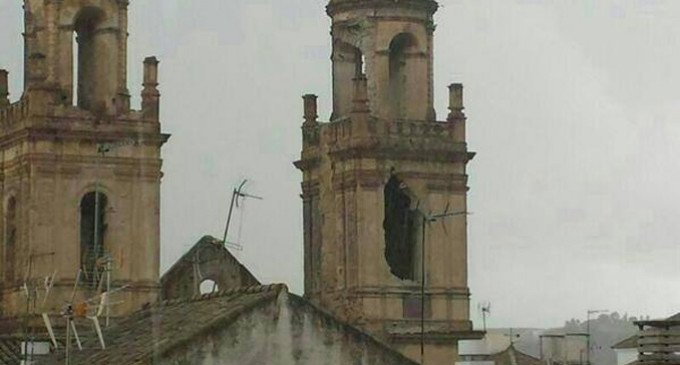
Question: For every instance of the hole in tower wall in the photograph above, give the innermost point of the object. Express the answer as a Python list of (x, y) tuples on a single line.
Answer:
[(400, 228)]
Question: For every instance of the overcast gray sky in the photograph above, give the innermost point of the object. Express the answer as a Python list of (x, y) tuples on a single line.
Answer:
[(573, 110)]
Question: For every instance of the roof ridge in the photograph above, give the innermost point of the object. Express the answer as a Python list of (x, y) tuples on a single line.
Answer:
[(223, 293)]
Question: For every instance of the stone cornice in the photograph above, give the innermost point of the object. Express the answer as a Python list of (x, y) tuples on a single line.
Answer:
[(61, 132), (381, 151), (308, 163), (336, 6)]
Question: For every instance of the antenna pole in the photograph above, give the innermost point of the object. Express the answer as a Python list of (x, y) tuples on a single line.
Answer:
[(234, 194), (237, 193), (108, 287), (422, 292), (484, 318), (68, 338)]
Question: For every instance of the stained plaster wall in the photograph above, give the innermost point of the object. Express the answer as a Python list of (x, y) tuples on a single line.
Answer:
[(284, 331)]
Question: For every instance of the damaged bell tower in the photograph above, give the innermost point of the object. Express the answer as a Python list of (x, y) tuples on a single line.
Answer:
[(374, 173)]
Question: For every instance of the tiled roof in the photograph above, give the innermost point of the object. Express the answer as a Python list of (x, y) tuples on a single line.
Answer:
[(627, 343), (511, 357), (631, 342), (158, 328), (10, 352)]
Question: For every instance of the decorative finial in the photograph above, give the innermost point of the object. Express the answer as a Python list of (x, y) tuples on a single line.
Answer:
[(4, 88), (456, 102), (310, 108)]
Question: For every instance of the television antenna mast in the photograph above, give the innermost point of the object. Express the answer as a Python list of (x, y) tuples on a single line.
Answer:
[(485, 309), (235, 196), (427, 219), (90, 309)]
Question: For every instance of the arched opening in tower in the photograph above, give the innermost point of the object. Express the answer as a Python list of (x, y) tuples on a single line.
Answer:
[(92, 233), (401, 47), (349, 63), (90, 60), (10, 239), (400, 226)]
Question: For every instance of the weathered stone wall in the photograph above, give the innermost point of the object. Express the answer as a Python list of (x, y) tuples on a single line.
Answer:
[(289, 331), (207, 260), (53, 153), (384, 125)]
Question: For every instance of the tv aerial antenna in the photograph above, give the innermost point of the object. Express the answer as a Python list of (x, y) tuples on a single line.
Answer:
[(427, 220), (237, 194), (90, 309), (485, 309)]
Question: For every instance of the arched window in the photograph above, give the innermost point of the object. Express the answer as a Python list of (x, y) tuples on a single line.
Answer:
[(92, 234), (89, 65), (400, 49), (400, 230), (348, 64), (11, 233), (208, 286)]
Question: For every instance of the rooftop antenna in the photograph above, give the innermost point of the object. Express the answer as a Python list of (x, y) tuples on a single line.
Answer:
[(485, 309), (102, 149), (427, 219), (512, 336), (30, 289), (91, 309), (235, 196)]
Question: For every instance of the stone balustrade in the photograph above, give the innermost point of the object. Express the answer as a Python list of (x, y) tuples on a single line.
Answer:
[(14, 113)]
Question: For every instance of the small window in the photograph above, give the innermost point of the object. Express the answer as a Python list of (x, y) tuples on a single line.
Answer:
[(208, 286)]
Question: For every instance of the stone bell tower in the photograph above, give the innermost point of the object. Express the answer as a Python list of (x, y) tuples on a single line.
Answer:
[(80, 170), (375, 174)]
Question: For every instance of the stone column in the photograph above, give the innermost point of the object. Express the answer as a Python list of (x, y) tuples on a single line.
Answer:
[(122, 93), (51, 20), (360, 100)]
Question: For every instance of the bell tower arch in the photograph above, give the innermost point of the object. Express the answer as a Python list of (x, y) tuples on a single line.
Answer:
[(395, 42), (97, 31), (376, 173), (79, 173)]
